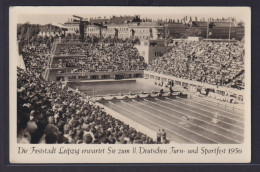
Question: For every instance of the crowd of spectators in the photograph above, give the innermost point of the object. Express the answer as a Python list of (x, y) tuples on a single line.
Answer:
[(216, 63), (100, 57), (238, 82), (35, 58), (48, 114)]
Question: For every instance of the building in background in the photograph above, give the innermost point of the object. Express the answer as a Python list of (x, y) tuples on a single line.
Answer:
[(213, 28), (146, 30), (72, 26), (96, 27), (115, 27), (124, 27), (151, 49), (132, 27)]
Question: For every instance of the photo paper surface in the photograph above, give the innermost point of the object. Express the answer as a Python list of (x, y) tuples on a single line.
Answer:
[(130, 84)]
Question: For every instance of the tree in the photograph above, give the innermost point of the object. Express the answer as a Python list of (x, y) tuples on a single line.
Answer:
[(39, 39), (169, 39), (73, 37), (28, 30), (87, 39), (33, 39), (77, 37), (127, 40), (21, 44), (68, 37), (108, 39), (24, 28), (51, 39), (136, 41), (117, 40), (45, 39), (94, 40)]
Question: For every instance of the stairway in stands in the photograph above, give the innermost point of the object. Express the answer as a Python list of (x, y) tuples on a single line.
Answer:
[(234, 78), (55, 47)]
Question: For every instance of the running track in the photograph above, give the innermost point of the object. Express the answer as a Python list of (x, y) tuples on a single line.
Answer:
[(172, 114)]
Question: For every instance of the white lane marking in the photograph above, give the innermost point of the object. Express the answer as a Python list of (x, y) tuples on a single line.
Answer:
[(204, 110), (212, 102), (154, 123), (205, 115), (173, 123), (213, 108), (196, 118), (189, 122)]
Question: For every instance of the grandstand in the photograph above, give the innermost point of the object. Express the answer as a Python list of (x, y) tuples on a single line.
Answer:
[(77, 62), (47, 113)]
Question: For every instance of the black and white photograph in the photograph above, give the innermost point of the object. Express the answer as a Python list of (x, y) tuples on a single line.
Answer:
[(166, 81)]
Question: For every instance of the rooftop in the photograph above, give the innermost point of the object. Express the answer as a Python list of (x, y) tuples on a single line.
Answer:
[(50, 28), (124, 19), (98, 21)]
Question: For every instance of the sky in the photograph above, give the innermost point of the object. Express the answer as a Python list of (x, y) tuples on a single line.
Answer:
[(46, 15)]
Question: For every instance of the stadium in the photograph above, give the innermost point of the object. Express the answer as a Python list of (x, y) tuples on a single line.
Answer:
[(148, 92)]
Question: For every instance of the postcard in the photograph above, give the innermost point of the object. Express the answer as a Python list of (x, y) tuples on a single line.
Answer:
[(109, 84)]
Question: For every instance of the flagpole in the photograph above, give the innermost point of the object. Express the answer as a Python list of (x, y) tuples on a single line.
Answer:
[(28, 30), (207, 28), (229, 28)]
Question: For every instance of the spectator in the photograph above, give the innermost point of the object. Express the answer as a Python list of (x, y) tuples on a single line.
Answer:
[(216, 63), (159, 136), (163, 136), (46, 116), (120, 57)]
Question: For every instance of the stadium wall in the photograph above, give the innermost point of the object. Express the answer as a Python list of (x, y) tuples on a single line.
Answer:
[(82, 76), (191, 85)]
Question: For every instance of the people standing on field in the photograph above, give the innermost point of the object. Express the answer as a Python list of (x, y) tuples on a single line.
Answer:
[(161, 136), (163, 133), (158, 141)]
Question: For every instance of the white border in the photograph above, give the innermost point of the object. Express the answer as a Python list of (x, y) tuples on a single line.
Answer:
[(245, 157)]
